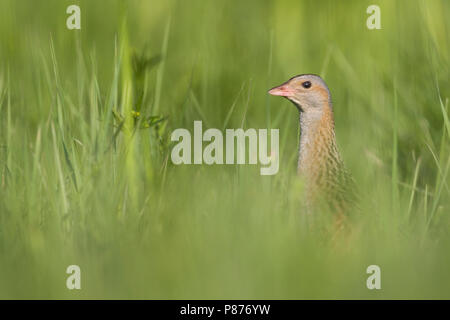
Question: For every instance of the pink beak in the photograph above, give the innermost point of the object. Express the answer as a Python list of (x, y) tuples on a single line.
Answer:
[(282, 90)]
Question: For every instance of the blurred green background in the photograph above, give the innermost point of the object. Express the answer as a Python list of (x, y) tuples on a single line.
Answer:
[(84, 181)]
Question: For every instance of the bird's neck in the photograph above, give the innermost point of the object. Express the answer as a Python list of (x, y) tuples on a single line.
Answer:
[(317, 141)]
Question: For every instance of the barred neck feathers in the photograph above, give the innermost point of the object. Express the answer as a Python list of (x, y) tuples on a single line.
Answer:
[(318, 152), (319, 159)]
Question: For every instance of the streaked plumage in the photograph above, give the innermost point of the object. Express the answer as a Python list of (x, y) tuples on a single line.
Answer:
[(319, 162)]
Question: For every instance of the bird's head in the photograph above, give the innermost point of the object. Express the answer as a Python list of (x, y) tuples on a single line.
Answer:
[(307, 91)]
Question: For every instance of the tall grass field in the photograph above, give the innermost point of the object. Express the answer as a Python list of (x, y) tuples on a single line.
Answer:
[(86, 176)]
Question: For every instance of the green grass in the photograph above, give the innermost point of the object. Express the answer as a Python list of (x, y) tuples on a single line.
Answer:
[(82, 183)]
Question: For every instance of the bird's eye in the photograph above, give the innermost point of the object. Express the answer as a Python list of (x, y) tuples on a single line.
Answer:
[(306, 84)]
